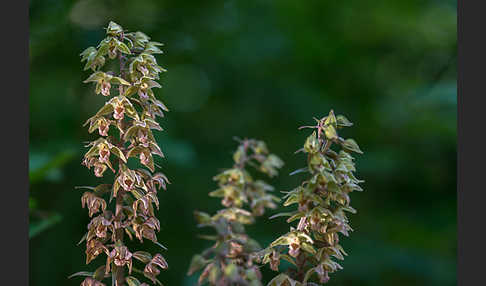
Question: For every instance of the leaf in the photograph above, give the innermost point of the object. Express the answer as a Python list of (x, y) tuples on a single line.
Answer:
[(330, 132), (160, 244), (288, 259), (132, 281), (281, 214), (292, 199), (113, 29), (130, 91), (349, 209), (283, 240), (135, 151), (115, 150), (123, 48), (95, 77), (295, 216), (308, 247), (81, 273), (308, 274), (106, 109), (330, 119), (351, 145), (99, 274), (301, 170), (83, 238), (343, 121), (312, 143), (119, 80), (102, 189), (143, 256)]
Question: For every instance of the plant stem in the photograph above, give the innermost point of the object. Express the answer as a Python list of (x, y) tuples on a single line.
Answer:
[(119, 231)]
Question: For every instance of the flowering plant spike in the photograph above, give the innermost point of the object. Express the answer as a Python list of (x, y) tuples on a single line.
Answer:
[(229, 260), (321, 201), (124, 125)]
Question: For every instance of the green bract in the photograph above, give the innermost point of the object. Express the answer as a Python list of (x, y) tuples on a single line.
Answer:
[(230, 260), (132, 110), (321, 202)]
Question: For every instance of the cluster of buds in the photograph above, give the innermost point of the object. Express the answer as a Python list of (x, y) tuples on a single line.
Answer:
[(132, 109), (322, 201), (229, 261)]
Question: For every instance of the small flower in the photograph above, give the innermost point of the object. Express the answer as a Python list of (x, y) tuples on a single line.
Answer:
[(99, 169), (143, 138), (104, 153), (100, 225), (294, 247), (145, 157), (88, 281), (323, 274), (93, 249), (89, 162), (119, 111), (143, 70), (151, 270), (274, 260), (112, 52), (93, 202), (121, 257), (105, 88), (235, 249), (147, 229), (103, 127), (126, 181)]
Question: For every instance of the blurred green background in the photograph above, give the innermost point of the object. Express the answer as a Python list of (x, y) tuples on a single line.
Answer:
[(261, 69)]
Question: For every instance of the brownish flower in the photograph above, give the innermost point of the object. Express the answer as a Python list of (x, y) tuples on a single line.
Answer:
[(99, 225), (126, 180), (103, 126), (112, 52), (160, 180), (151, 271), (93, 249), (89, 162), (147, 229), (119, 111), (144, 71), (99, 169), (323, 274), (105, 88), (235, 249), (121, 257), (143, 138), (93, 202), (145, 157), (294, 247), (274, 260), (88, 281)]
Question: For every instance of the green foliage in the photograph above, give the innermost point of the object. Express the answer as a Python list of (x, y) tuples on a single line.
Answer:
[(322, 201), (134, 190), (229, 261)]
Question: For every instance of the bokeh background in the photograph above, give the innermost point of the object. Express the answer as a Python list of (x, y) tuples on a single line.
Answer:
[(261, 69)]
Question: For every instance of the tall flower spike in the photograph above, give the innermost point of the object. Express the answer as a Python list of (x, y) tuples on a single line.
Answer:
[(229, 261), (321, 202), (132, 108)]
